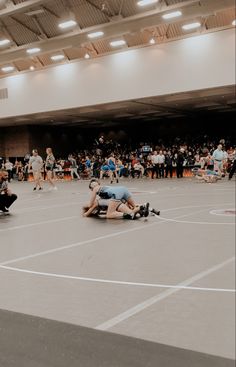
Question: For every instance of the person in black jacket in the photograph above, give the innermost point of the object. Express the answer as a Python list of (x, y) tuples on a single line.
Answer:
[(168, 164), (7, 198), (179, 164)]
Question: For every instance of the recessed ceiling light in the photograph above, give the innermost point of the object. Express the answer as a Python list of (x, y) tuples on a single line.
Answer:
[(152, 41), (57, 57), (95, 34), (147, 2), (234, 22), (67, 24), (171, 15), (189, 26), (4, 42), (6, 69), (117, 43), (87, 56), (33, 50), (32, 68)]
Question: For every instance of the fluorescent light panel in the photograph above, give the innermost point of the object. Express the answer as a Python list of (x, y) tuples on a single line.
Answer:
[(57, 57), (8, 68), (146, 2), (67, 24), (189, 26), (171, 15), (33, 50), (117, 43), (95, 34), (4, 42)]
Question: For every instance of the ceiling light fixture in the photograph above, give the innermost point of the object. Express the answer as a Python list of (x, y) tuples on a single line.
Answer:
[(171, 15), (68, 24), (4, 42), (57, 57), (234, 22), (152, 41), (33, 50), (7, 69), (117, 43), (189, 26), (146, 2), (87, 56), (95, 34), (32, 68)]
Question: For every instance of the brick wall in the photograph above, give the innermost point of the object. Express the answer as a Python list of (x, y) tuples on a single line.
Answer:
[(14, 141)]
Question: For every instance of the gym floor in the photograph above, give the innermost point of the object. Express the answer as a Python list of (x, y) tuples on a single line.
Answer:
[(149, 292)]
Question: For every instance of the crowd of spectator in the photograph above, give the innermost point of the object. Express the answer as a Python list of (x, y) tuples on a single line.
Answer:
[(160, 160)]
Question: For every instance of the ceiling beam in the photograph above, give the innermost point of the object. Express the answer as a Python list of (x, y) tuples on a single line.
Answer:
[(20, 8), (190, 9)]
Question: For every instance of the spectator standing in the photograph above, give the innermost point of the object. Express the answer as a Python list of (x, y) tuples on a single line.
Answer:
[(73, 167), (36, 163), (9, 166), (218, 157)]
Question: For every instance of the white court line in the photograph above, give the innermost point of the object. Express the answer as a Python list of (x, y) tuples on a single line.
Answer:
[(114, 234), (153, 300), (35, 208), (119, 282), (214, 212), (194, 206), (191, 222), (56, 197), (37, 223), (87, 241)]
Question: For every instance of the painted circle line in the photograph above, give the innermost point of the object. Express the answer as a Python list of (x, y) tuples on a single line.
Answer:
[(119, 282), (192, 222)]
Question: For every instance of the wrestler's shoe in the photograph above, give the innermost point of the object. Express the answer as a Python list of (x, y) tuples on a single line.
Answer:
[(146, 210), (142, 210), (4, 210), (156, 212)]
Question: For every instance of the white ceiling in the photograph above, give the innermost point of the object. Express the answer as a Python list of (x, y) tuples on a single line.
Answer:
[(34, 23)]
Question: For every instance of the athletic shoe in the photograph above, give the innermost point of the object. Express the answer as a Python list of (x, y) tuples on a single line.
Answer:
[(35, 188), (146, 210), (40, 188), (4, 210), (141, 210), (156, 212)]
